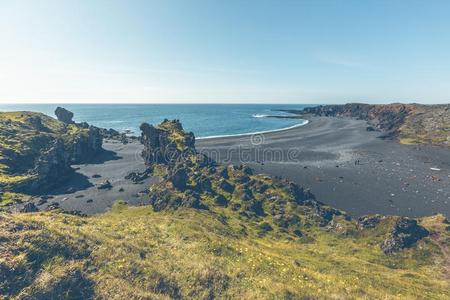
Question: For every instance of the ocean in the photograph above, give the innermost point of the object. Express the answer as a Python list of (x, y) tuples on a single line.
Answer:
[(205, 120)]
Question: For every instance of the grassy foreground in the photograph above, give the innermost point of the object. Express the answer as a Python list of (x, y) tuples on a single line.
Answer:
[(135, 253)]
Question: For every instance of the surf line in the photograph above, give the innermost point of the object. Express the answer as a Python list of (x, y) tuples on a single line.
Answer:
[(252, 133)]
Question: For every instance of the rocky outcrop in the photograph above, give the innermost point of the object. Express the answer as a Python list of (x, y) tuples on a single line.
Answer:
[(165, 143), (192, 180), (29, 207), (369, 221), (51, 166), (64, 115), (38, 150), (86, 145), (405, 232)]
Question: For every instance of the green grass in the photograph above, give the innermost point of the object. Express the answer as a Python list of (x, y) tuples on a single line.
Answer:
[(135, 253)]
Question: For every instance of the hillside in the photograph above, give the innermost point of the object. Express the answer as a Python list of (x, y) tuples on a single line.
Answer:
[(409, 123), (36, 151), (215, 231)]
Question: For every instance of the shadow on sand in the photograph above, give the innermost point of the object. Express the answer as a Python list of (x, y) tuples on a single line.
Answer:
[(104, 156), (74, 183)]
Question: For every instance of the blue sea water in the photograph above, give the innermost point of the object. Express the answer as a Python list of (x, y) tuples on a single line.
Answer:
[(203, 119)]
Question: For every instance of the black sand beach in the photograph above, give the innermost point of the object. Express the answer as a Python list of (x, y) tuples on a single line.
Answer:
[(80, 191), (347, 167), (343, 164)]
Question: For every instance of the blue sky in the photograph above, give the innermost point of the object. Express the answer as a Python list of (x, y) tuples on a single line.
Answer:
[(224, 51)]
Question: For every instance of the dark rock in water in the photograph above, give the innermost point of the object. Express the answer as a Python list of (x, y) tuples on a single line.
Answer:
[(179, 178), (96, 176), (104, 185), (64, 115), (29, 207), (404, 234), (369, 221), (221, 200), (226, 186), (121, 190)]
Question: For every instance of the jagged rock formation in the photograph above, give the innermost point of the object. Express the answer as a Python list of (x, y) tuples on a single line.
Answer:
[(193, 180), (166, 142), (405, 232), (64, 115)]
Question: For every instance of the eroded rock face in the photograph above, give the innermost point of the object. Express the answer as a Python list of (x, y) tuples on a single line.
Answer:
[(52, 165), (165, 143), (382, 117), (86, 145), (404, 234), (64, 115)]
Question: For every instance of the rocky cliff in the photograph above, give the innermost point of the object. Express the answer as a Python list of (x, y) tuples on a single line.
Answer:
[(409, 123), (36, 151)]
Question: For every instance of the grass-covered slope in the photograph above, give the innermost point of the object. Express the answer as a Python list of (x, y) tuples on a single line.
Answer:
[(36, 150), (136, 253)]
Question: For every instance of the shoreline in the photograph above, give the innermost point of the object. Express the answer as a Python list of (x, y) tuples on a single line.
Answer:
[(305, 122)]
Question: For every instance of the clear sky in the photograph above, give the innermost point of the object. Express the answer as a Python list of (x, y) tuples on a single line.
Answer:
[(214, 51)]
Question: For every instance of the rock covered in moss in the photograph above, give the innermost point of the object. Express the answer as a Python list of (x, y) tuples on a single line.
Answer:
[(29, 207), (166, 142), (404, 233), (369, 221)]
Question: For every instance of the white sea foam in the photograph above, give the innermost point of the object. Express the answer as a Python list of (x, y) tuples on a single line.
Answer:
[(260, 116), (252, 133)]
